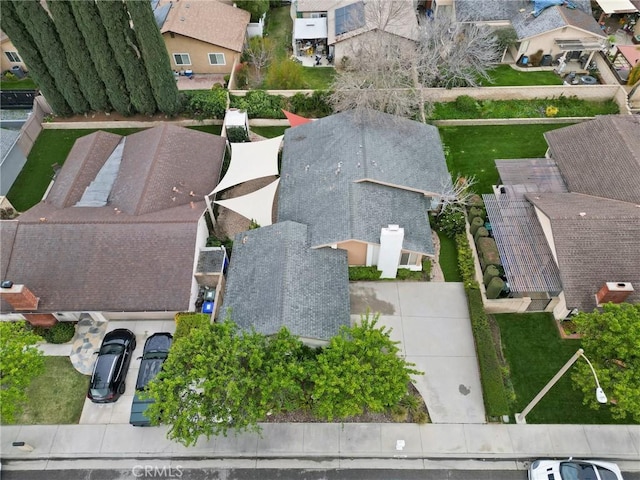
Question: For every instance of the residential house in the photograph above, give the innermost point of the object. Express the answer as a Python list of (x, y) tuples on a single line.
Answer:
[(10, 58), (203, 36), (568, 226), (341, 27), (557, 28), (12, 159), (119, 233), (276, 279)]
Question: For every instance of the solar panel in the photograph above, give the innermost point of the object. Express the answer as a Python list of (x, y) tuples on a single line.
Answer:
[(350, 17)]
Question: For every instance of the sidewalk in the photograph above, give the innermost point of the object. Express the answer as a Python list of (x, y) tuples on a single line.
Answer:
[(332, 442)]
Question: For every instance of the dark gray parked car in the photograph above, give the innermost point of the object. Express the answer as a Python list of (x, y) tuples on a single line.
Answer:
[(112, 364), (155, 352)]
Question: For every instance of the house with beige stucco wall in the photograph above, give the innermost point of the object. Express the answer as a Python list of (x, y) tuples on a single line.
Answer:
[(10, 57), (205, 36)]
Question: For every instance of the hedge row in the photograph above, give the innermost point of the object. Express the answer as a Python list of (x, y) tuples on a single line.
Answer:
[(494, 391)]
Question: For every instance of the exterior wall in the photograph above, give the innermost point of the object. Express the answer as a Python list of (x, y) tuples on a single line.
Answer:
[(10, 167), (349, 46), (41, 319), (5, 64), (545, 223), (139, 315), (256, 29), (356, 252), (198, 52), (201, 241), (547, 41)]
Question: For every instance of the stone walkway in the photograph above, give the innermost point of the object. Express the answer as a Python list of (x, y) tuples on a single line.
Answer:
[(86, 342)]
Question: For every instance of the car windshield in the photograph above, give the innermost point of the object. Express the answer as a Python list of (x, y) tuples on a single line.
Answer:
[(155, 355), (577, 471), (99, 392), (606, 474), (110, 349)]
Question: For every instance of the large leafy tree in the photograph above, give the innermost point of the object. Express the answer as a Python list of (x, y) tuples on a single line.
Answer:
[(45, 36), (20, 362), (12, 25), (78, 56), (115, 19), (256, 8), (611, 340), (218, 379), (360, 370), (90, 25), (154, 54)]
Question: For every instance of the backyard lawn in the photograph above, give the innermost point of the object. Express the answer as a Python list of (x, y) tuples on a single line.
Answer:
[(18, 84), (535, 352), (448, 259), (268, 132), (278, 27), (56, 396), (318, 78), (53, 146), (471, 151), (505, 76)]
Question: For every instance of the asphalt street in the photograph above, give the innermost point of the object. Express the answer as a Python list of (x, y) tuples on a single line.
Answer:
[(142, 471)]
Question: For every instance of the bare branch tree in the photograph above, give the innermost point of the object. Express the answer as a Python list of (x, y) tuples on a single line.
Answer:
[(457, 195), (389, 65), (259, 50)]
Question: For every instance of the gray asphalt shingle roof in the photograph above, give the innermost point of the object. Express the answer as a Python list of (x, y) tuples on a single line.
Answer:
[(322, 160), (275, 279), (553, 18), (497, 10)]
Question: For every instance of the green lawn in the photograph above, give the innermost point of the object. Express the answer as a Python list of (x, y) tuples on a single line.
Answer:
[(18, 84), (55, 397), (278, 27), (269, 132), (318, 78), (472, 151), (449, 259), (53, 146), (535, 352), (505, 76)]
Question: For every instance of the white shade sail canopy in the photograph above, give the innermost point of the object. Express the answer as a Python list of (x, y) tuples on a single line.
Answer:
[(250, 161), (256, 206), (616, 6)]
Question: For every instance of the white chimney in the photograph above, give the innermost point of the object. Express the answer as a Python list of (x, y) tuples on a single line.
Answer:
[(391, 239)]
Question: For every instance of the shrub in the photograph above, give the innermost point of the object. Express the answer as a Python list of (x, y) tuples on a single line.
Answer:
[(551, 111), (61, 332), (285, 74), (490, 272), (477, 212), (315, 105), (536, 58), (399, 414), (494, 288), (363, 273), (259, 104), (467, 104), (481, 232), (420, 417), (242, 76), (10, 76), (475, 224), (466, 262), (450, 222), (488, 252), (205, 104), (187, 321), (237, 135)]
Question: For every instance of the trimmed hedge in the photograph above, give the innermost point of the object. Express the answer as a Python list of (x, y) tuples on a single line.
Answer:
[(493, 388), (187, 321), (364, 273), (201, 104), (61, 332), (488, 252)]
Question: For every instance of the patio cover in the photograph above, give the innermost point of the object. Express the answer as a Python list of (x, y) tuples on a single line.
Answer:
[(295, 120), (630, 52), (250, 161), (257, 206), (616, 6), (310, 28)]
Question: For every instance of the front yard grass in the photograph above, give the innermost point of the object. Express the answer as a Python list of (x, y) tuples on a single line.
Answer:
[(56, 396), (472, 151), (25, 83), (505, 76), (53, 146), (535, 352), (448, 259)]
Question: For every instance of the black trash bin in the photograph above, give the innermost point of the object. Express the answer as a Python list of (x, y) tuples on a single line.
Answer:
[(546, 61), (18, 71)]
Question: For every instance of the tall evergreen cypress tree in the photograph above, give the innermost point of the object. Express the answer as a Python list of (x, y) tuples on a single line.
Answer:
[(15, 29), (77, 55), (123, 43), (155, 56), (90, 25), (44, 34)]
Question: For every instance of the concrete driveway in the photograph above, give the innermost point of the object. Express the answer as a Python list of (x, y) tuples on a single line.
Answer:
[(119, 411), (431, 320)]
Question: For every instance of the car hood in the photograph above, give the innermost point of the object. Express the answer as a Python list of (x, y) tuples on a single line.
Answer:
[(547, 467)]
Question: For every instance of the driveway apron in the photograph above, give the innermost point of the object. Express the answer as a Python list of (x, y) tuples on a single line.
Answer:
[(431, 320)]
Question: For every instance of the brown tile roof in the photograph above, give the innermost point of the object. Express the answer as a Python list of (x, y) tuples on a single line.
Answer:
[(162, 166), (209, 21), (597, 240), (600, 157), (84, 161), (103, 258)]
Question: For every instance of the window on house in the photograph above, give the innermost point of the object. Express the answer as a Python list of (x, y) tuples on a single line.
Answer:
[(182, 58), (408, 258), (216, 59), (13, 57)]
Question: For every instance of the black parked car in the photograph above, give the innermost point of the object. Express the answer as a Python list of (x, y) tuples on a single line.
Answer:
[(112, 364), (155, 352)]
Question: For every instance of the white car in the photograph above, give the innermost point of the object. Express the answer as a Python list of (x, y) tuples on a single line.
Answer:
[(574, 470)]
